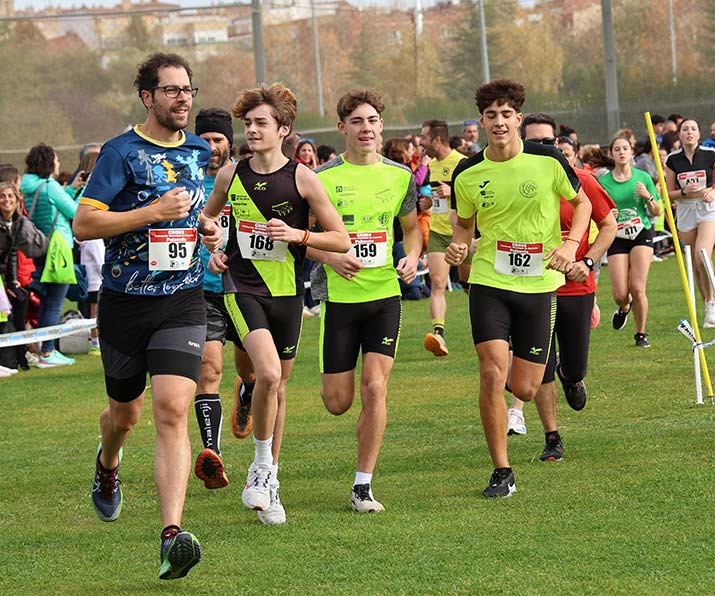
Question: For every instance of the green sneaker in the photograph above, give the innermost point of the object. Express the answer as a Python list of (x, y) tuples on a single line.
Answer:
[(178, 555)]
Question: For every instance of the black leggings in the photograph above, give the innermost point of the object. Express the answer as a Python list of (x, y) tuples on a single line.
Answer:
[(573, 331)]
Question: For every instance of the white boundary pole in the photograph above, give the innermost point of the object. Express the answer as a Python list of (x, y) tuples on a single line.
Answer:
[(696, 356)]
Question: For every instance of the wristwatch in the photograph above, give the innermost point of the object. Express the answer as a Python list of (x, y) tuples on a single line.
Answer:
[(588, 261)]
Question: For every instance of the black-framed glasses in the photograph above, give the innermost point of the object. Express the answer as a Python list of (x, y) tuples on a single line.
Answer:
[(568, 140), (173, 91), (544, 141)]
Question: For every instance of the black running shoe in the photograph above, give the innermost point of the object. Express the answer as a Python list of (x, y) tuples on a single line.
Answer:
[(106, 491), (553, 450), (619, 319), (641, 340), (178, 555), (500, 485), (575, 392)]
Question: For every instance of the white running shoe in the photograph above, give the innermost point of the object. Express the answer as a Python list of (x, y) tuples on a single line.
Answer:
[(275, 514), (363, 501), (256, 494), (6, 372), (516, 424), (709, 321)]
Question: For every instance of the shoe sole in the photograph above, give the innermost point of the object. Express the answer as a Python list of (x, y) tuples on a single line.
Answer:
[(266, 519), (209, 468), (372, 509), (182, 556), (618, 328), (575, 405), (235, 429), (46, 365), (551, 458), (432, 345)]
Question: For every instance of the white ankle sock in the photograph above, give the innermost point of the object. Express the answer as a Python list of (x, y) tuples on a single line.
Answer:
[(362, 478), (263, 451)]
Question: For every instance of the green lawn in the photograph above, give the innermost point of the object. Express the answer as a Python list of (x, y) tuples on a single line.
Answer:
[(626, 511)]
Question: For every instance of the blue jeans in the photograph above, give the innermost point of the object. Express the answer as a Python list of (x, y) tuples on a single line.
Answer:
[(50, 310)]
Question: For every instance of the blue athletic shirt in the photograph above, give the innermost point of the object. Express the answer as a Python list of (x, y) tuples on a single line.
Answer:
[(133, 171), (212, 282)]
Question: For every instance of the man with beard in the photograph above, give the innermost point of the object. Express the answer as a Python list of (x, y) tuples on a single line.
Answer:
[(215, 127), (435, 142), (144, 198)]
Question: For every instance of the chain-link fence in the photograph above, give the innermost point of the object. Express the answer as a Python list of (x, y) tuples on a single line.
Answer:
[(68, 74)]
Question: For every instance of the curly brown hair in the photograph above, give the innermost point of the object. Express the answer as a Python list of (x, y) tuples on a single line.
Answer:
[(502, 91), (355, 98), (148, 71), (40, 160), (277, 96)]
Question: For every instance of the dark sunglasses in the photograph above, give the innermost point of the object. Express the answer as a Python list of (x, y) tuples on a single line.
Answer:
[(544, 141)]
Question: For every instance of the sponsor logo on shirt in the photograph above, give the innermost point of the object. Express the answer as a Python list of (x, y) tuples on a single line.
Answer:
[(261, 186), (528, 189), (283, 208)]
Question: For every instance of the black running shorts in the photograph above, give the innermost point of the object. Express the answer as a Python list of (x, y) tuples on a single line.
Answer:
[(161, 335), (526, 319), (622, 246), (346, 328), (282, 316)]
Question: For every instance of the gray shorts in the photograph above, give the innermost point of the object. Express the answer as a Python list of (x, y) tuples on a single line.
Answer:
[(219, 326)]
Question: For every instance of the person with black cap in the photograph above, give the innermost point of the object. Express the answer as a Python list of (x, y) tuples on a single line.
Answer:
[(215, 127)]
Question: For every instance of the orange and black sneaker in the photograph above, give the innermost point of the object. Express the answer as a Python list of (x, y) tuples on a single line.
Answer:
[(435, 343), (209, 468), (241, 417)]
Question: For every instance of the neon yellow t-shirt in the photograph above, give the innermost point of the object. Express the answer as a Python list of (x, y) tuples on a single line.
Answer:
[(441, 171), (367, 198), (516, 203)]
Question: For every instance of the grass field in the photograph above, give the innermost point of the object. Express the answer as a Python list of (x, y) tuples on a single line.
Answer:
[(626, 512)]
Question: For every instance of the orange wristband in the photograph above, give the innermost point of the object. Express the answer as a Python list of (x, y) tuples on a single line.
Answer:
[(306, 236)]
